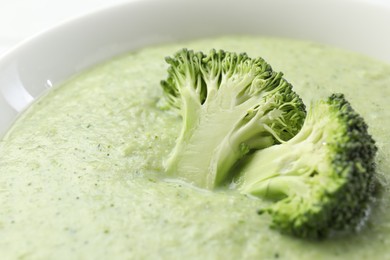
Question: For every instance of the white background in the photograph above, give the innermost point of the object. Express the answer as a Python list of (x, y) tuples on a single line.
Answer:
[(20, 19)]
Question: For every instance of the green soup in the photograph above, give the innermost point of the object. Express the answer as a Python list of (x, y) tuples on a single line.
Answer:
[(81, 171)]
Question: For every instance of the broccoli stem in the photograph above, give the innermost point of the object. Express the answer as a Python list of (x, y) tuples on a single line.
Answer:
[(267, 171), (216, 150)]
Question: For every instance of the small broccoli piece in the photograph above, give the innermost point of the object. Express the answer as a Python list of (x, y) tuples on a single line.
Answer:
[(230, 104), (322, 179)]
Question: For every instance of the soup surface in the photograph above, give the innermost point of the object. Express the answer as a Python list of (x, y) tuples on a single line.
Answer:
[(81, 170)]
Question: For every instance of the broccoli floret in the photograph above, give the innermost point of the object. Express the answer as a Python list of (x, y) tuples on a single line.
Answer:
[(322, 179), (230, 104)]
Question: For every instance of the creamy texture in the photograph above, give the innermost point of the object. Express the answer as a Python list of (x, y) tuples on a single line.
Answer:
[(80, 171)]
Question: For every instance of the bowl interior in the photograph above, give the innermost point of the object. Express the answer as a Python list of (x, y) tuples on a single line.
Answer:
[(56, 54)]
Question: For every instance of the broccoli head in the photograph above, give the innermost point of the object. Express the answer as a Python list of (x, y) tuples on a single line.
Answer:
[(321, 180), (230, 104)]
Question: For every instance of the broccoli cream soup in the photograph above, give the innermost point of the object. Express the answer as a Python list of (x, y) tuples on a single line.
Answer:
[(81, 171)]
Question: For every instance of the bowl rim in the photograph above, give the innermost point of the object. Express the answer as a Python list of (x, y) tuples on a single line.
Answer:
[(108, 8)]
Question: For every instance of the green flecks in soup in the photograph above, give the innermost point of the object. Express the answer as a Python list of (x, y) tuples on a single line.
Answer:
[(80, 171)]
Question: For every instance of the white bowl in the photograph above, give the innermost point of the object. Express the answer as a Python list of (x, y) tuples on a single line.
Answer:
[(54, 55)]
